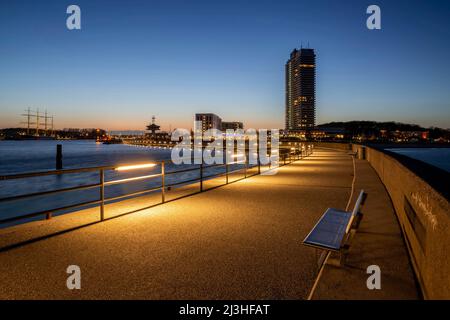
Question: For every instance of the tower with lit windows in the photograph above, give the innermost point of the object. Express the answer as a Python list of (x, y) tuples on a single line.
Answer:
[(301, 90)]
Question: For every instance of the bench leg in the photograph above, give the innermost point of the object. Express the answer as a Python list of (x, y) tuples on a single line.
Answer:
[(321, 258), (340, 259), (346, 247), (357, 221), (343, 255)]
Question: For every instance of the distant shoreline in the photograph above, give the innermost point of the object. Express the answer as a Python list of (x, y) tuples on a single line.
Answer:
[(43, 139)]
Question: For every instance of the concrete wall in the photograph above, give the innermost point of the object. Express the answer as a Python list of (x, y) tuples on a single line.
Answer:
[(424, 217), (333, 145)]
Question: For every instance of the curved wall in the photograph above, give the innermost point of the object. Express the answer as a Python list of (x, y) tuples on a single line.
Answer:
[(424, 216)]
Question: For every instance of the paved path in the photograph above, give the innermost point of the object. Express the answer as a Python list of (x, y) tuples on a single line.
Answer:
[(240, 241)]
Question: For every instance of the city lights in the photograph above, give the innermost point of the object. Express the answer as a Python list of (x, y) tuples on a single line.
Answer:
[(136, 166)]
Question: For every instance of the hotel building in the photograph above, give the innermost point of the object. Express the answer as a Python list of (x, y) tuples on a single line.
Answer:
[(301, 91)]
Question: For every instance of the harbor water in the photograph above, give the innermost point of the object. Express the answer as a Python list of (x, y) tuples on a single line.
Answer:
[(36, 156), (438, 157)]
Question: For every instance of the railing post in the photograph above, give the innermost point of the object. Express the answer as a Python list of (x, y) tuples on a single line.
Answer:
[(201, 176), (163, 184), (245, 165), (226, 171), (59, 156), (102, 194), (48, 216), (259, 164)]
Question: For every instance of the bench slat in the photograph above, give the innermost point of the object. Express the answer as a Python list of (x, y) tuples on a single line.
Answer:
[(330, 230)]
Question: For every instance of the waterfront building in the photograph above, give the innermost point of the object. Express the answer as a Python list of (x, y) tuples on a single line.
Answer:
[(209, 121), (153, 127), (154, 136), (300, 91), (329, 133), (234, 125)]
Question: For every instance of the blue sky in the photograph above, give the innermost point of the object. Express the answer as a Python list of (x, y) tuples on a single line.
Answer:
[(133, 59)]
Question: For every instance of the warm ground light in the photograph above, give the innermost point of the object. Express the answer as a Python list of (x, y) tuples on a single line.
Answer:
[(247, 247)]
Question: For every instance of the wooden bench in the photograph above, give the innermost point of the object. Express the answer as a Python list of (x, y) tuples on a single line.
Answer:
[(336, 228)]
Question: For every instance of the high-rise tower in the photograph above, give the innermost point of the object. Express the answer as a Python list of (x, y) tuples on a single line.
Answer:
[(301, 90)]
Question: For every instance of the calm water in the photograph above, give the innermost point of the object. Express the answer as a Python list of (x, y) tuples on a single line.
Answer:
[(438, 157), (29, 156)]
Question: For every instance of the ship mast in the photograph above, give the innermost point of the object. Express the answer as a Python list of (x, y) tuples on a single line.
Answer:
[(30, 114)]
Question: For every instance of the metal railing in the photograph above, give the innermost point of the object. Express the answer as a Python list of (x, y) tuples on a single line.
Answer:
[(286, 156)]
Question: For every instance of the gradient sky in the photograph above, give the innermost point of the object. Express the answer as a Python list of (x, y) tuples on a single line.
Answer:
[(133, 59)]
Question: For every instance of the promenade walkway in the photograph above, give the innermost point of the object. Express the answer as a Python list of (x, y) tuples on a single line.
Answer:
[(240, 241)]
